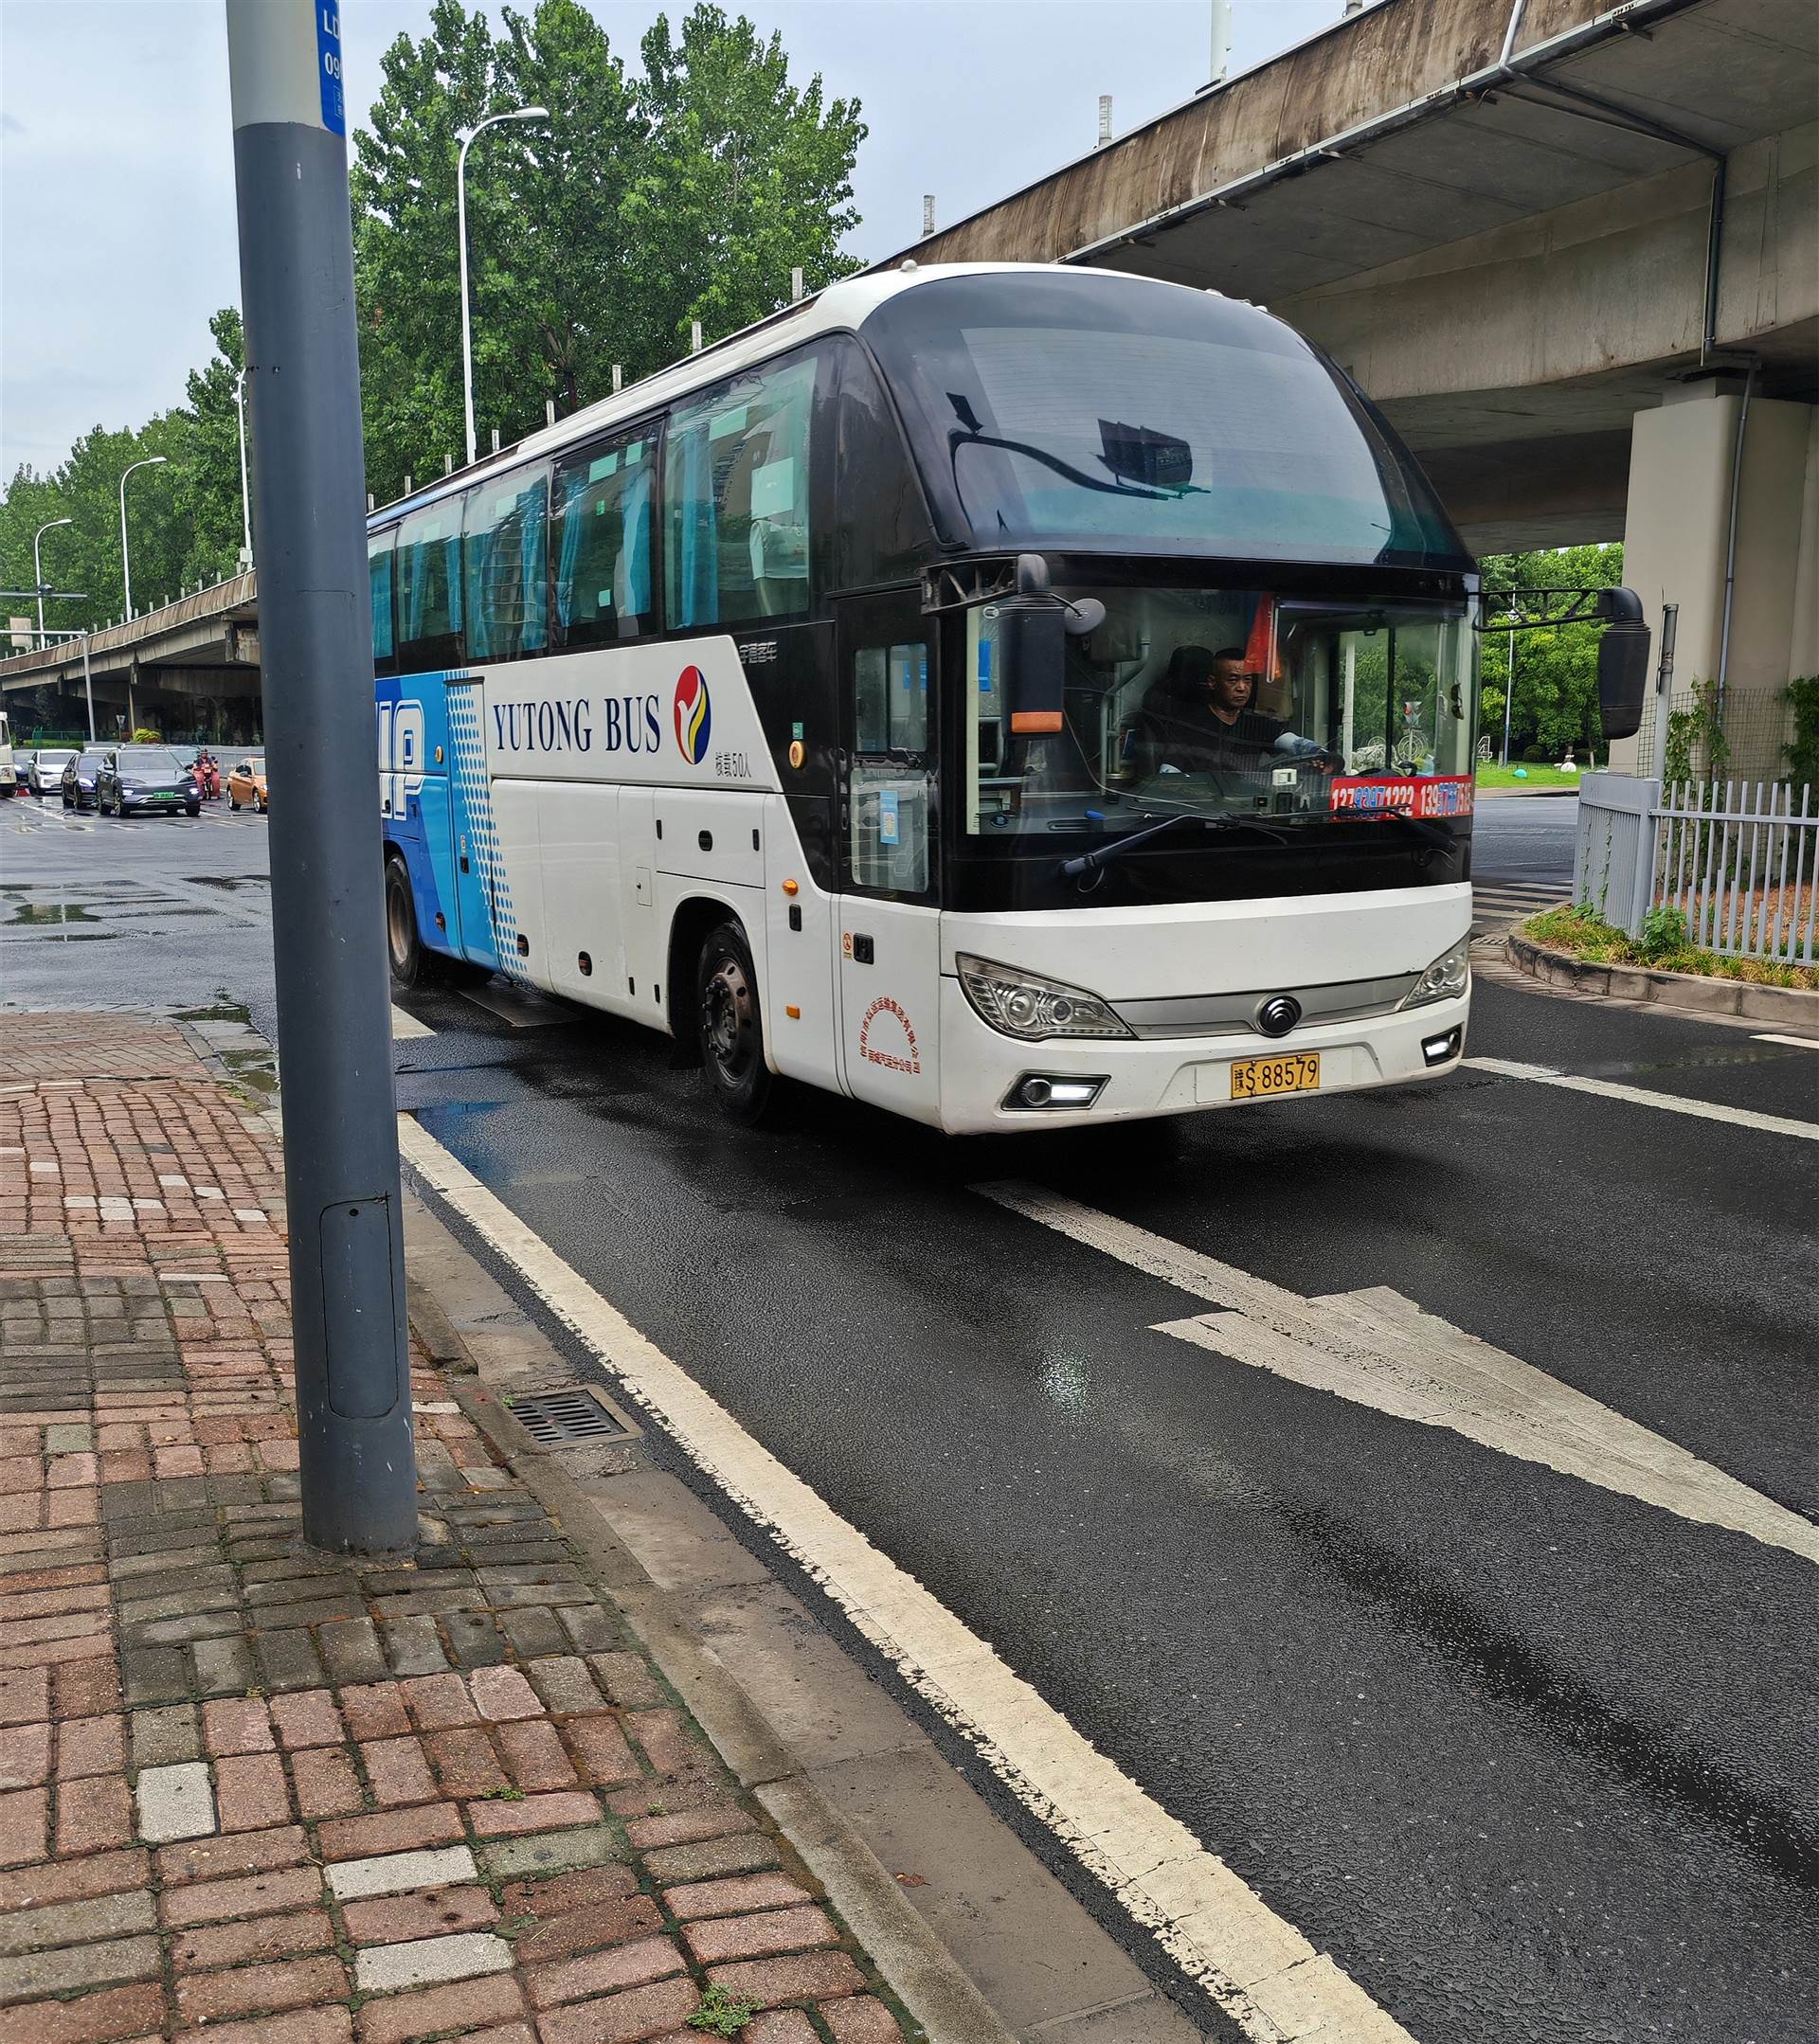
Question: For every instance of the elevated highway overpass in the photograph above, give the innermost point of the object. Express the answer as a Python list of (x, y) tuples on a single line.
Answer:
[(1571, 248), (192, 665)]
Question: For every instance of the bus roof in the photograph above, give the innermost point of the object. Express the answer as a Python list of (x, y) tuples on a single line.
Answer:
[(841, 308)]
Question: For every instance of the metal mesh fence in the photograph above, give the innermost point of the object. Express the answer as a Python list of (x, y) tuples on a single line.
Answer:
[(1749, 746)]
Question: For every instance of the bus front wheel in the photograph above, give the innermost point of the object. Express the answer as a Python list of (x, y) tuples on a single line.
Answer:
[(733, 1032)]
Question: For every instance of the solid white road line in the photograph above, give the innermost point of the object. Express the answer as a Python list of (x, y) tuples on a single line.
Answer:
[(1377, 1349), (1704, 1110), (1257, 1967), (404, 1026), (1800, 1043)]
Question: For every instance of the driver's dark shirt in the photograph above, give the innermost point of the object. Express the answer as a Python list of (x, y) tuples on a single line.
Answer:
[(1189, 737)]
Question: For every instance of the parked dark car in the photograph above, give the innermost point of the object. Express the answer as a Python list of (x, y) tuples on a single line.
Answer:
[(145, 777), (44, 769), (79, 777)]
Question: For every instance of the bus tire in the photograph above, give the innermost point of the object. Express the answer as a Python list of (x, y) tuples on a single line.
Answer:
[(732, 1027), (404, 947)]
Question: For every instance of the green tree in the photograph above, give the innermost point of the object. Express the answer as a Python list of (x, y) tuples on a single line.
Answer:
[(1556, 703), (209, 481), (687, 190)]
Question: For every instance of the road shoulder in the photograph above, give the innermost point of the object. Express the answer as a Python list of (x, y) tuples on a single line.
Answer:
[(975, 1935)]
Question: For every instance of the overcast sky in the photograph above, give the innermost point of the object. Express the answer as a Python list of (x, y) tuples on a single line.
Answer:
[(117, 191)]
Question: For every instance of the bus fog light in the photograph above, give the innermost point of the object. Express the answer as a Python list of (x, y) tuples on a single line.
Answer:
[(1438, 1050), (1037, 1090)]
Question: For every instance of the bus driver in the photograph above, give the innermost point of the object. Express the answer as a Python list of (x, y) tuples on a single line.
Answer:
[(1199, 720)]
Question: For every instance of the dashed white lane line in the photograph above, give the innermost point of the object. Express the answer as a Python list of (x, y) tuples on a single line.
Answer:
[(1375, 1348), (1800, 1043), (404, 1026), (1704, 1110), (1260, 1970)]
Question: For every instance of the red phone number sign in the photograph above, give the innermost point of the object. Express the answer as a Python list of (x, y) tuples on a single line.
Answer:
[(1446, 795)]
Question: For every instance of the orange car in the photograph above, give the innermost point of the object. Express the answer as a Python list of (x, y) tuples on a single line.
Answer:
[(246, 783)]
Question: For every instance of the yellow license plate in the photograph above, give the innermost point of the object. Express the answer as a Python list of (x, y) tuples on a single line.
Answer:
[(1257, 1078)]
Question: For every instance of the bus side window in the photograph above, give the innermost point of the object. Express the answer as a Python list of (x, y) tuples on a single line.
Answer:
[(379, 559), (884, 533), (504, 563), (429, 589), (604, 516), (736, 476)]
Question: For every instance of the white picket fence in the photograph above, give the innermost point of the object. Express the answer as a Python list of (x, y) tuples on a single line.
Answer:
[(1742, 864), (1740, 860)]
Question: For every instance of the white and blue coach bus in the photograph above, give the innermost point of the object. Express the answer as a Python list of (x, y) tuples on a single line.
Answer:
[(1009, 695)]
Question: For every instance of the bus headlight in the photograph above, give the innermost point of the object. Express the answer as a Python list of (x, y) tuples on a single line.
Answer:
[(1021, 1004), (1449, 976)]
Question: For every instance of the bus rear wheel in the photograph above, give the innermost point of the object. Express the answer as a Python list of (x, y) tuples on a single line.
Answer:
[(404, 947), (732, 1031)]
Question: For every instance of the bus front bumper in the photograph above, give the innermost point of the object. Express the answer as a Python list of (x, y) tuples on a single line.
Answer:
[(984, 1073)]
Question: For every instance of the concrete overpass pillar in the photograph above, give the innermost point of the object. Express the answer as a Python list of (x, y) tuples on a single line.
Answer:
[(1675, 541)]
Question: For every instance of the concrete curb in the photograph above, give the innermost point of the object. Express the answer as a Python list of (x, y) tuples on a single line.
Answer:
[(1690, 991), (920, 1972)]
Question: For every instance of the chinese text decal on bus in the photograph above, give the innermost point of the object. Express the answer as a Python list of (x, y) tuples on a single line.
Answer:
[(1008, 696)]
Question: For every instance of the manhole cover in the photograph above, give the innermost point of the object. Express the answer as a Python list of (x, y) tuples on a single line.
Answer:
[(555, 1416)]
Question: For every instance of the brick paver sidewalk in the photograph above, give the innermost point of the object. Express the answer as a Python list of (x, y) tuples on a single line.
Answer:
[(243, 1785)]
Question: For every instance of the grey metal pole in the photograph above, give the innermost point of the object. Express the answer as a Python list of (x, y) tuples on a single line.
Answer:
[(359, 1478), (466, 139), (1665, 688), (38, 572), (1509, 683), (246, 495), (150, 461)]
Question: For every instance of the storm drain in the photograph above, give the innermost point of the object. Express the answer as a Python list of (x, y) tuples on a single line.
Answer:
[(552, 1418)]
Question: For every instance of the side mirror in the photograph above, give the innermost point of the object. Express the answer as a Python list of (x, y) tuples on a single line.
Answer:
[(1032, 638), (1623, 663)]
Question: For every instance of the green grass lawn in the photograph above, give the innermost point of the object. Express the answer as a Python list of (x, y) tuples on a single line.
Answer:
[(1534, 777)]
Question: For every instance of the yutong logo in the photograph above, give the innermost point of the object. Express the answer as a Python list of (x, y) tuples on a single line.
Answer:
[(693, 715)]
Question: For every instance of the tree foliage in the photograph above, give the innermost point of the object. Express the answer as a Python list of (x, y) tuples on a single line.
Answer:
[(1556, 703), (182, 518), (684, 189)]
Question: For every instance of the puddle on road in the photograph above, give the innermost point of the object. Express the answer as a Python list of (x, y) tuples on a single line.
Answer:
[(232, 886), (38, 915)]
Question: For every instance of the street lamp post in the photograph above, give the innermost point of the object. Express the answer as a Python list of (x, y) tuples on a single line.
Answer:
[(245, 500), (150, 461), (38, 572), (466, 138)]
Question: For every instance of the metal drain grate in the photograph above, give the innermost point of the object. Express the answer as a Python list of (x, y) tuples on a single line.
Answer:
[(549, 1417)]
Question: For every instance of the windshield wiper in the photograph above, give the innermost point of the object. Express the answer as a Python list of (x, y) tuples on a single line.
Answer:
[(1091, 862)]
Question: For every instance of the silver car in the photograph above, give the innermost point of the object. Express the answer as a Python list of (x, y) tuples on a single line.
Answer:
[(44, 769)]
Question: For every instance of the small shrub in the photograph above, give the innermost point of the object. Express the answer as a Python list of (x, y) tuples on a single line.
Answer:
[(722, 2015), (144, 737), (1663, 930)]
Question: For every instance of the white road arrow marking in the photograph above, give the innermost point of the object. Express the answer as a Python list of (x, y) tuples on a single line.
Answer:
[(1375, 1348)]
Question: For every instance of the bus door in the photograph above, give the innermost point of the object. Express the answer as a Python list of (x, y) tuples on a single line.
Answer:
[(889, 934), (470, 820)]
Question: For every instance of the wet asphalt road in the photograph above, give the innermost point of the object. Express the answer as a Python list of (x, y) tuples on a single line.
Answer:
[(1532, 1760)]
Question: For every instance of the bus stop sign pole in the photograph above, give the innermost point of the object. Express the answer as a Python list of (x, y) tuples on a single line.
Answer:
[(347, 1313)]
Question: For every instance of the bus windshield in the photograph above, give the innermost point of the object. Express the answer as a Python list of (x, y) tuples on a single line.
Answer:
[(1113, 413), (1228, 702)]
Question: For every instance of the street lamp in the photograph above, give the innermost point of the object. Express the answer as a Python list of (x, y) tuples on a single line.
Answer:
[(466, 138), (38, 573), (150, 461), (245, 501)]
